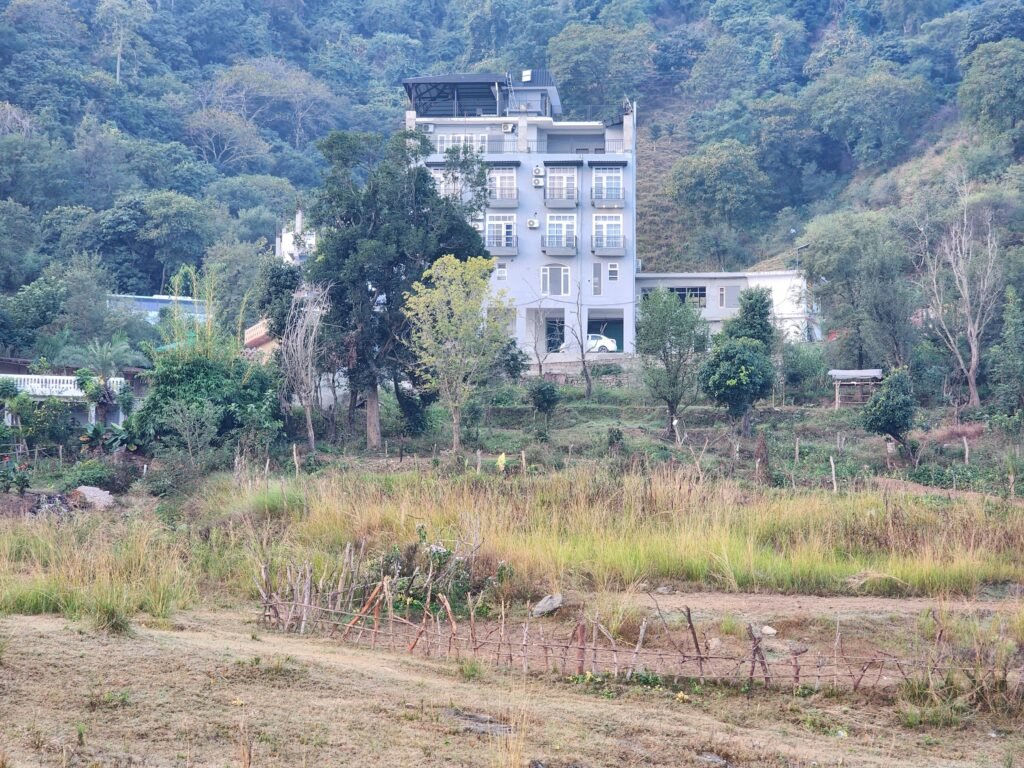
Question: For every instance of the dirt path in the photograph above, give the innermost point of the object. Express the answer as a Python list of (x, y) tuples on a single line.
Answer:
[(768, 607), (189, 696)]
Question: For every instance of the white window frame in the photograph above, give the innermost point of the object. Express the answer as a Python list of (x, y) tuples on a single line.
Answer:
[(501, 271), (561, 226), (445, 141), (598, 287), (445, 188), (506, 223), (608, 183), (501, 184), (561, 182), (601, 223), (545, 279), (613, 272)]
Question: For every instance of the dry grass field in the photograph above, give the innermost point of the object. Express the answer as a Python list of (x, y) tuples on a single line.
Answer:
[(210, 689), (129, 638)]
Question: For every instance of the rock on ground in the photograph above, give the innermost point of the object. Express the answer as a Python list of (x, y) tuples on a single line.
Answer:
[(95, 497), (548, 604)]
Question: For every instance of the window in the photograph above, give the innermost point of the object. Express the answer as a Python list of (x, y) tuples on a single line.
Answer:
[(561, 184), (608, 183), (501, 183), (561, 230), (554, 280), (613, 273), (607, 230), (446, 187), (501, 230), (597, 278), (696, 294), (446, 141), (501, 271), (729, 296)]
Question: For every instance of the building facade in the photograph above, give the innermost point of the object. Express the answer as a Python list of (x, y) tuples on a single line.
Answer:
[(561, 213), (295, 243), (717, 295)]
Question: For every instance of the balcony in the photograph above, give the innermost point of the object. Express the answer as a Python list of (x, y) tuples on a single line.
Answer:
[(502, 245), (63, 387), (503, 198), (561, 197), (558, 245), (608, 198), (608, 245)]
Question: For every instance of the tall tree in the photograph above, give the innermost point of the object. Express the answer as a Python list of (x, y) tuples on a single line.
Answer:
[(962, 278), (671, 338), (380, 223), (120, 21), (992, 92), (857, 267), (1006, 359), (459, 330)]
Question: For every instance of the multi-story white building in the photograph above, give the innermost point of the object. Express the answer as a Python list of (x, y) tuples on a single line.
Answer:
[(561, 214)]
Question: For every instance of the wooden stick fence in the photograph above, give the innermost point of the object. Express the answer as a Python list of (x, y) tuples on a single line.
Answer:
[(367, 617)]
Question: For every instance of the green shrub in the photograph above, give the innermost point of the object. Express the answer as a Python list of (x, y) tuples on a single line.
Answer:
[(89, 472)]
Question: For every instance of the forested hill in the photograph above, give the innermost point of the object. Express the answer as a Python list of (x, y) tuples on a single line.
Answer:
[(157, 133)]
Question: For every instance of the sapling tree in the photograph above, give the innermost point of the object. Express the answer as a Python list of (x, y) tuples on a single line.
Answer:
[(671, 339), (891, 409), (736, 374), (544, 397), (459, 330)]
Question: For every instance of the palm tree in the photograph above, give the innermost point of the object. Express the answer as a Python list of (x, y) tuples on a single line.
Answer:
[(106, 358)]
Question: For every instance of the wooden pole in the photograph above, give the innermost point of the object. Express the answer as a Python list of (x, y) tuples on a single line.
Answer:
[(835, 485)]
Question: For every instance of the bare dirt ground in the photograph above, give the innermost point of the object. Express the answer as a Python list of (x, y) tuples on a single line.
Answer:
[(768, 607), (191, 694)]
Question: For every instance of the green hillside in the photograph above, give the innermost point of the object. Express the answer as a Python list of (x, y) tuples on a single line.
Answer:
[(181, 132)]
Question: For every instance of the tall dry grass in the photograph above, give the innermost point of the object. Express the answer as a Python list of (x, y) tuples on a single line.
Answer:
[(106, 570), (582, 527), (587, 527)]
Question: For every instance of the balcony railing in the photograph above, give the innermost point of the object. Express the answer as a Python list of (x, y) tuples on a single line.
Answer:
[(507, 146), (65, 387), (608, 198), (561, 197), (608, 245), (503, 198), (558, 245), (502, 245)]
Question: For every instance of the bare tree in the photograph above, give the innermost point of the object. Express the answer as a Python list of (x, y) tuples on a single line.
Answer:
[(578, 331), (962, 279), (301, 348)]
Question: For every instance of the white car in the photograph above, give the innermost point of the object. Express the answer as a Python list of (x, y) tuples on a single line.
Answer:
[(596, 342)]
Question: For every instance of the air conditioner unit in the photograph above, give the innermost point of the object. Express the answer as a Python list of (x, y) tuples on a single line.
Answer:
[(533, 223), (478, 226), (508, 127), (538, 170), (538, 182), (428, 127)]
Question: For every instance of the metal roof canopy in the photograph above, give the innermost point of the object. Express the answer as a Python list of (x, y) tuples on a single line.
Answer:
[(873, 374), (473, 95)]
